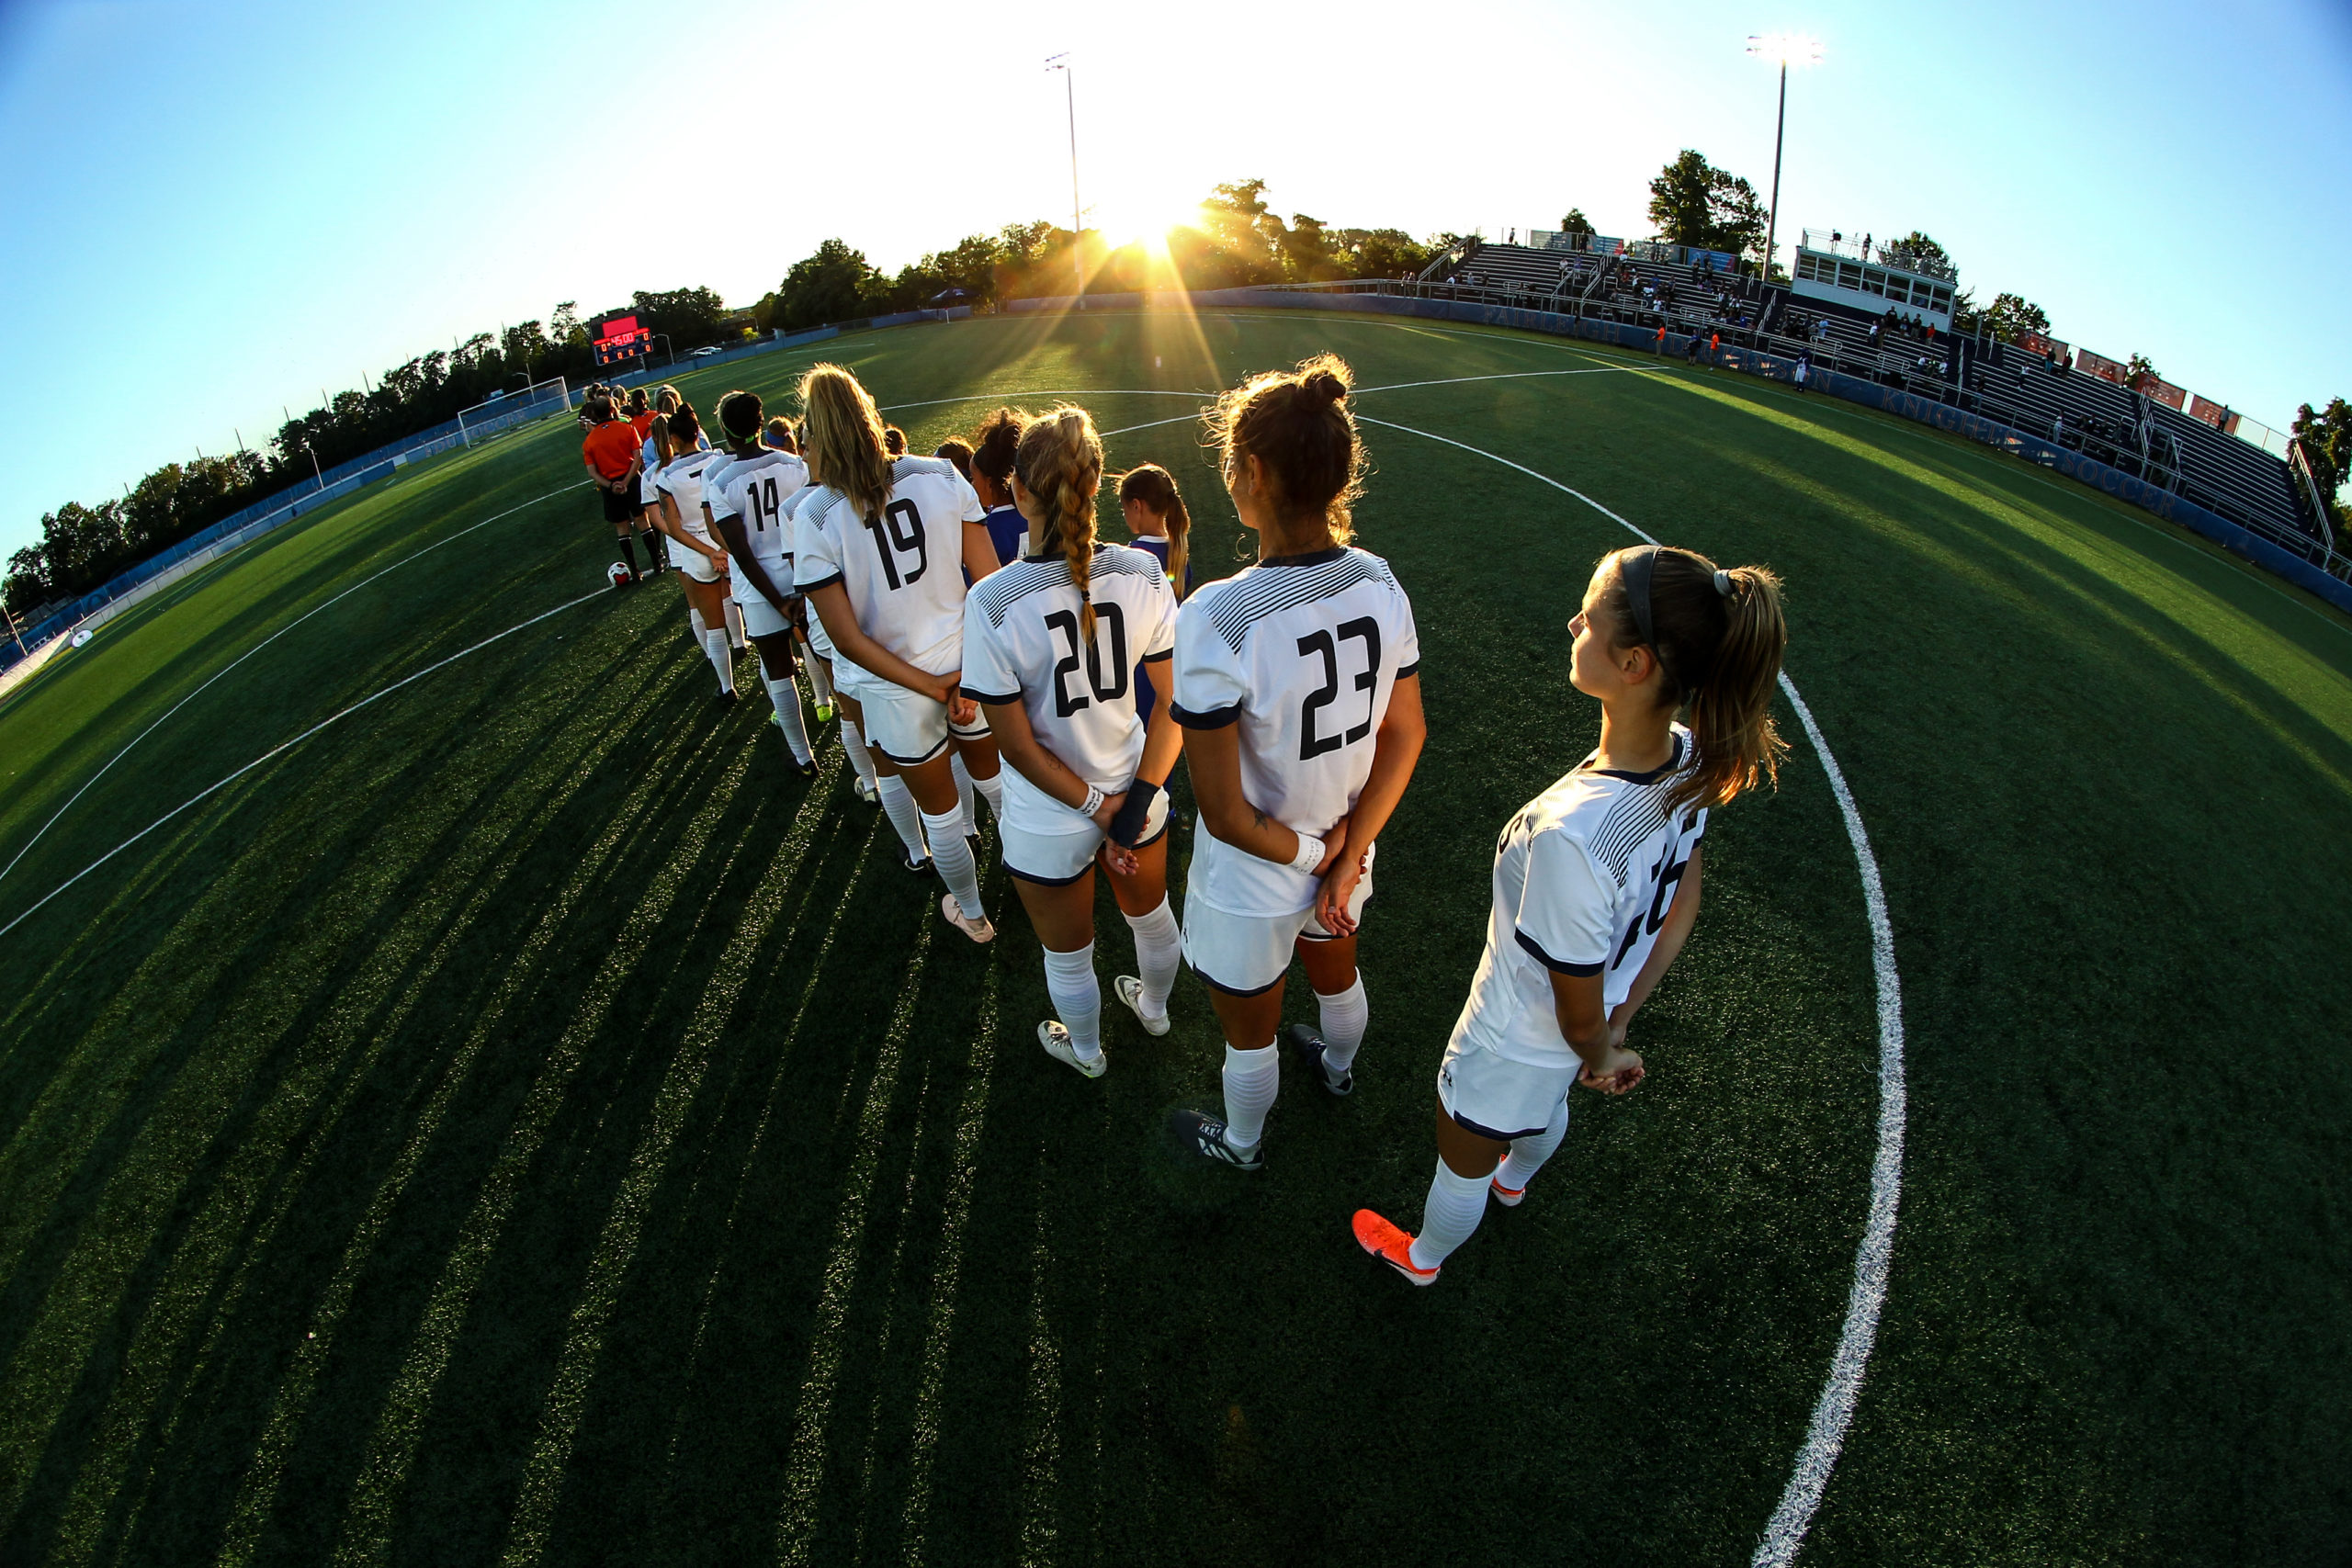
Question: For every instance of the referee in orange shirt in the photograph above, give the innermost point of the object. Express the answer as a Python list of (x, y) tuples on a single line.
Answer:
[(612, 454)]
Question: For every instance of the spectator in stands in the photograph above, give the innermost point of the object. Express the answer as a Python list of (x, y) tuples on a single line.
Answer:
[(1804, 370)]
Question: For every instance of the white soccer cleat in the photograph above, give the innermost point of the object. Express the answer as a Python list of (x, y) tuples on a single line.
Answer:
[(978, 930), (1130, 991), (1061, 1048)]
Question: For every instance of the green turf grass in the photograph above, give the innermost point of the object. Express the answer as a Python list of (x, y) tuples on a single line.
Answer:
[(527, 1120)]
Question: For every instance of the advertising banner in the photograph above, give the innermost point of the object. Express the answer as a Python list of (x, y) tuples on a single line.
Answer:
[(2162, 391), (2099, 364), (2033, 342), (2215, 414)]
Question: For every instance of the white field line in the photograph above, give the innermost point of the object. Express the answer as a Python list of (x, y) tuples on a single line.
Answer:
[(213, 789), (256, 648), (1834, 1412)]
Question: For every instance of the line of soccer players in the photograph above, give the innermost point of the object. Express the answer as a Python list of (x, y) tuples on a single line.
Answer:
[(977, 638)]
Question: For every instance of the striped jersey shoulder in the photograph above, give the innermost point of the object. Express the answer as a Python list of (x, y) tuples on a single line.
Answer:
[(1007, 586), (1126, 561), (909, 465), (1236, 604), (1638, 811)]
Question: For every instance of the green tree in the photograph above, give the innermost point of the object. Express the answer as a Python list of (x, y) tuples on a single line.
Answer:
[(2010, 314), (829, 286), (2326, 438), (2137, 366), (1914, 249), (689, 318), (1236, 221), (1695, 203), (1576, 222)]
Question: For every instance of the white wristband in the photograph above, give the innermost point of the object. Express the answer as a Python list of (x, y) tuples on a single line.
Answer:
[(1093, 801), (1310, 854)]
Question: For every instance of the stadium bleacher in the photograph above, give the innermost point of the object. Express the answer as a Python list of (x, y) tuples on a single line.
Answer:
[(1653, 284)]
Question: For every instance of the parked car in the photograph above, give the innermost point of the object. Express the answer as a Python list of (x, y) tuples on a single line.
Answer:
[(704, 352)]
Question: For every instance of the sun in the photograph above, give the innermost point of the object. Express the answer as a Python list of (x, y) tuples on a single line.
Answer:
[(1144, 218)]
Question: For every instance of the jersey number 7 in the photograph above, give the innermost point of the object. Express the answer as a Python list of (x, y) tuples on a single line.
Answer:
[(1362, 628)]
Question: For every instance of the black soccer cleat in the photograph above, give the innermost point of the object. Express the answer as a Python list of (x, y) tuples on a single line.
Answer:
[(1306, 1044), (1204, 1135), (807, 770), (919, 865)]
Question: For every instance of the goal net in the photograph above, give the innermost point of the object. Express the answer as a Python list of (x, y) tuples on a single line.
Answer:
[(505, 413)]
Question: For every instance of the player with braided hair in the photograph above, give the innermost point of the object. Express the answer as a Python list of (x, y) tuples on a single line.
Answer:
[(702, 560), (1051, 650), (1298, 688), (1596, 880), (878, 551)]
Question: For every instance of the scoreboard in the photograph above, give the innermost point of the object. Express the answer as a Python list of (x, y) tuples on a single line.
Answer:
[(621, 337)]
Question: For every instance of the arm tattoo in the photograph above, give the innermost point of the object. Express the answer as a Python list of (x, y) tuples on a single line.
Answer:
[(1258, 815)]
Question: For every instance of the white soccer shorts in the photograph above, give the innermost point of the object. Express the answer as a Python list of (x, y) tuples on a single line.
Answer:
[(1247, 956), (906, 727), (692, 562), (759, 618), (1496, 1097), (1058, 858)]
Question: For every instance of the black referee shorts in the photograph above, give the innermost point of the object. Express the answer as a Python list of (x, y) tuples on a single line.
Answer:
[(621, 505)]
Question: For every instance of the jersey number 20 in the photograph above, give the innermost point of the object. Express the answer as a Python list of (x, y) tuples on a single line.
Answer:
[(1363, 629), (903, 534), (1107, 618)]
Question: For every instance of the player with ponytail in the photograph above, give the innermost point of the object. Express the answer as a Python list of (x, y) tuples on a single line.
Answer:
[(1051, 644), (1298, 688), (748, 499), (878, 552), (993, 444), (1596, 880), (677, 487), (1156, 515)]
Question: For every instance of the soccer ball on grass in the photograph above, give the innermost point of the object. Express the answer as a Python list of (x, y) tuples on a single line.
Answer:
[(621, 576)]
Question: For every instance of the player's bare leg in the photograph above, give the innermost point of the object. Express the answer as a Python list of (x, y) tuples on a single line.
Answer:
[(933, 784), (774, 649), (1330, 1049), (1141, 893)]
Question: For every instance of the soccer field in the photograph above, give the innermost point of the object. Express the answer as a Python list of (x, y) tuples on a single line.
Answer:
[(524, 1122)]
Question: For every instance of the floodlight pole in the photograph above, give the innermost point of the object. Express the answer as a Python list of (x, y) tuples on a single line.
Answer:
[(1076, 214), (1772, 223), (14, 636)]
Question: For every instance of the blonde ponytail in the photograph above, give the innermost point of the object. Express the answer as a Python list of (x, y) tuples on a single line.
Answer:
[(1059, 461), (842, 439), (1717, 637)]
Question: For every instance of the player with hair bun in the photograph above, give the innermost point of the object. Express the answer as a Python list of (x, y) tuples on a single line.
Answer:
[(1050, 645), (1298, 688), (702, 562), (746, 502), (878, 551), (645, 417), (1596, 880), (993, 444)]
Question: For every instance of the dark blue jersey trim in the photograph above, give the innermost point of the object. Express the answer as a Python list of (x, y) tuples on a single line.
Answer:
[(1412, 668), (1545, 959), (991, 698), (1159, 656), (1215, 719), (807, 588)]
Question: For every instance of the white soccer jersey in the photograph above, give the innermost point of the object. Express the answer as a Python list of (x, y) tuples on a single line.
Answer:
[(1584, 876), (902, 570), (1020, 643), (681, 479), (755, 490), (1303, 653)]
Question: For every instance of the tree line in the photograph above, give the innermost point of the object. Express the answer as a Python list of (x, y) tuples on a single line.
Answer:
[(1235, 240)]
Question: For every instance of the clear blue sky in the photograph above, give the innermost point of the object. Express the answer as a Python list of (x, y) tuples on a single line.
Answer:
[(215, 210)]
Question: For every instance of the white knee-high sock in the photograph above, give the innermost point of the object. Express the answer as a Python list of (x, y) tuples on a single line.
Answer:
[(1527, 1155), (693, 619), (785, 695), (952, 855), (1344, 1017), (734, 613), (854, 747), (898, 806), (1160, 951), (1077, 998), (1251, 1079), (963, 790), (819, 682), (1455, 1205), (715, 649), (991, 790)]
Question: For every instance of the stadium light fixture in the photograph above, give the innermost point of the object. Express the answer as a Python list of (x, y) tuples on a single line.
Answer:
[(1077, 249), (1783, 49)]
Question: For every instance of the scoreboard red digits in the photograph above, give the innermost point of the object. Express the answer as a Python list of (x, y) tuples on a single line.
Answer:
[(619, 337)]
